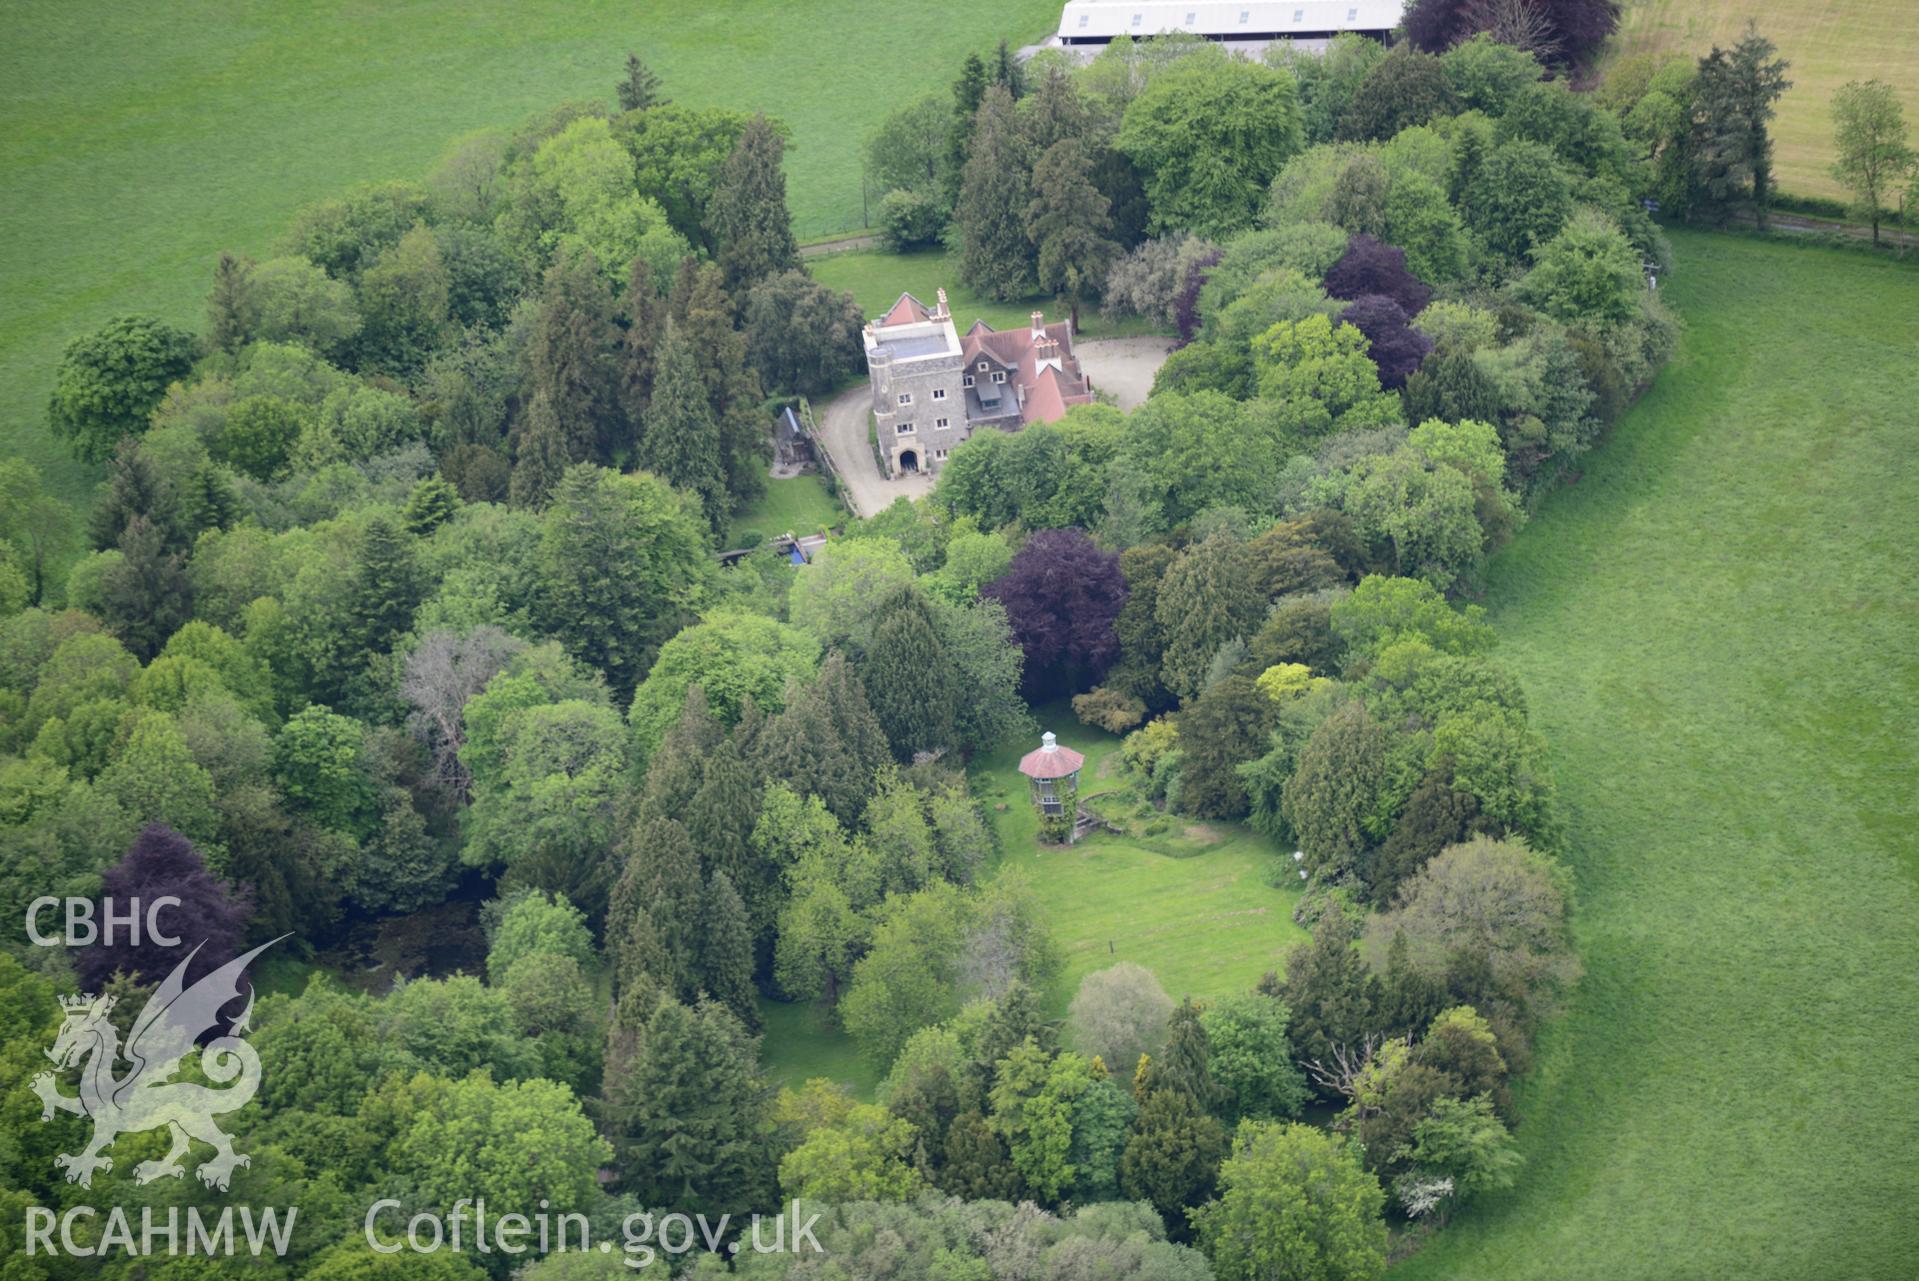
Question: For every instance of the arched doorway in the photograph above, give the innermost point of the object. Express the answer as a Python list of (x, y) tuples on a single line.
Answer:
[(909, 461)]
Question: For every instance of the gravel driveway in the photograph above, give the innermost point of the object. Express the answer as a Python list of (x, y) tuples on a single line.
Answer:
[(843, 433), (1121, 367)]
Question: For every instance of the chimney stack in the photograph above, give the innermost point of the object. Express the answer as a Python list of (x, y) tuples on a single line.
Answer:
[(941, 295), (1039, 325)]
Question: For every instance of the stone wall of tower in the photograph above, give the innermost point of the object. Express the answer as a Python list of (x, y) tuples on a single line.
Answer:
[(934, 385)]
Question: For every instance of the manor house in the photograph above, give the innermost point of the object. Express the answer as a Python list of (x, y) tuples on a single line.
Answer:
[(933, 387)]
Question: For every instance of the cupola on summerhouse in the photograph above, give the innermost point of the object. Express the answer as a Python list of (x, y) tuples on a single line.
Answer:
[(1053, 772)]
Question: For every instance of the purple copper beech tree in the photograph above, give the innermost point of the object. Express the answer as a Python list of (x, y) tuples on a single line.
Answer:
[(1061, 595)]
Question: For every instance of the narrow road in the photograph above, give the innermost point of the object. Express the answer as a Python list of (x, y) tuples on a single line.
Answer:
[(841, 245), (843, 427)]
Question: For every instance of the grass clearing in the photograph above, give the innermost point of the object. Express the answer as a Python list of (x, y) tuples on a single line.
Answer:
[(800, 504), (1192, 903), (144, 139), (877, 278), (1193, 906), (1716, 630), (1828, 42), (801, 1042)]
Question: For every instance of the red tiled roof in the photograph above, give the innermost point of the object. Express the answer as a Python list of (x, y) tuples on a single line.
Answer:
[(908, 310), (1050, 394), (1057, 763), (1047, 392)]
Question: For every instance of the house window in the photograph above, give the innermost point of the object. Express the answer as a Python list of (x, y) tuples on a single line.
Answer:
[(906, 398), (1192, 18), (999, 376), (939, 455), (1136, 19), (939, 424), (1299, 15), (1352, 15), (904, 429), (968, 380), (981, 366), (939, 393), (1082, 19), (1245, 15)]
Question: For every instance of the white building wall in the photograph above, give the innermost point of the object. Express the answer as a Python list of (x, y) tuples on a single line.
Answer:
[(1105, 20)]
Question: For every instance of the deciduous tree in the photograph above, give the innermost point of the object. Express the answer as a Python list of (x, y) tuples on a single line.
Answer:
[(1869, 133), (1294, 1204), (110, 381), (1119, 1014), (210, 913)]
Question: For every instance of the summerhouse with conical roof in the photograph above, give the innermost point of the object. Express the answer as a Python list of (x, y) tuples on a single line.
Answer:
[(1053, 772)]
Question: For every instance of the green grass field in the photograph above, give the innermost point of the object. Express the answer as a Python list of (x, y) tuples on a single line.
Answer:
[(801, 1043), (1192, 902), (876, 279), (143, 139), (801, 504), (1717, 631), (1828, 43)]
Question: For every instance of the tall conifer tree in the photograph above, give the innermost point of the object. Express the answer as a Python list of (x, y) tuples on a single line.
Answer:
[(726, 951), (682, 443), (747, 217), (996, 256)]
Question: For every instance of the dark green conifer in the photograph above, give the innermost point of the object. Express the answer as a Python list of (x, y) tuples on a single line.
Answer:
[(747, 219), (726, 951)]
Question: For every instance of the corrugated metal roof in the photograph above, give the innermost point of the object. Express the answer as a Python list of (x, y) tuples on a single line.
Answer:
[(1104, 19)]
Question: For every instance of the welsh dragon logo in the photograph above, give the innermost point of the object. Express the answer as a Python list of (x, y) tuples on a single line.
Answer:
[(145, 1098)]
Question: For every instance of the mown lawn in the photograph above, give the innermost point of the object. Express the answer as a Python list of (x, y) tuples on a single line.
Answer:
[(1192, 902), (800, 504), (1718, 632), (1828, 43), (801, 1042), (876, 279), (143, 139)]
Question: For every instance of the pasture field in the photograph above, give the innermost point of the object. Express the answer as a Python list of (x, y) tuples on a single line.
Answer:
[(143, 139), (1716, 629), (1828, 43)]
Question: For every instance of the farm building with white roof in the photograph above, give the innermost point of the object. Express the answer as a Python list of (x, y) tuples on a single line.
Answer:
[(1087, 26)]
